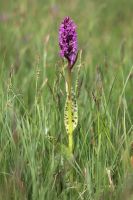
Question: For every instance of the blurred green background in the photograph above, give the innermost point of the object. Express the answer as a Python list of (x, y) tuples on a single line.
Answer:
[(32, 96)]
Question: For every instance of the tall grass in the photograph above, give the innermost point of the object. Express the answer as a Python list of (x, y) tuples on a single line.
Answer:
[(33, 155)]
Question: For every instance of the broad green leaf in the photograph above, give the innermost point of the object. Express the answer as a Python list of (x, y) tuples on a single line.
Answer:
[(71, 113)]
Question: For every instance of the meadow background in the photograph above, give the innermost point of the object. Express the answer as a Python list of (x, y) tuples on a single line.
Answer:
[(33, 158)]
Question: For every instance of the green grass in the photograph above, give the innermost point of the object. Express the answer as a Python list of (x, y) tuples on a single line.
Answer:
[(33, 157)]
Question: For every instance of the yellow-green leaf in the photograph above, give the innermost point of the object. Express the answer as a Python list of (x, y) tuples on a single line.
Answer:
[(71, 113)]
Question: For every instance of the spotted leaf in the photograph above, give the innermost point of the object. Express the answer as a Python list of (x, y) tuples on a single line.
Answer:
[(71, 113)]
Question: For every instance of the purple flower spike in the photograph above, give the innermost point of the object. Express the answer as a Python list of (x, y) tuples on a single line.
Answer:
[(68, 41)]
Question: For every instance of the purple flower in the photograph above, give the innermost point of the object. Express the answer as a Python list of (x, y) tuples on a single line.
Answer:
[(68, 41)]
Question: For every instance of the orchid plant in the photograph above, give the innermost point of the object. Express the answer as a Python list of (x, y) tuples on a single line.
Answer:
[(69, 50)]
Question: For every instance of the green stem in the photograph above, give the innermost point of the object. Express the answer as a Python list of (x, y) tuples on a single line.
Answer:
[(70, 136), (69, 82)]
